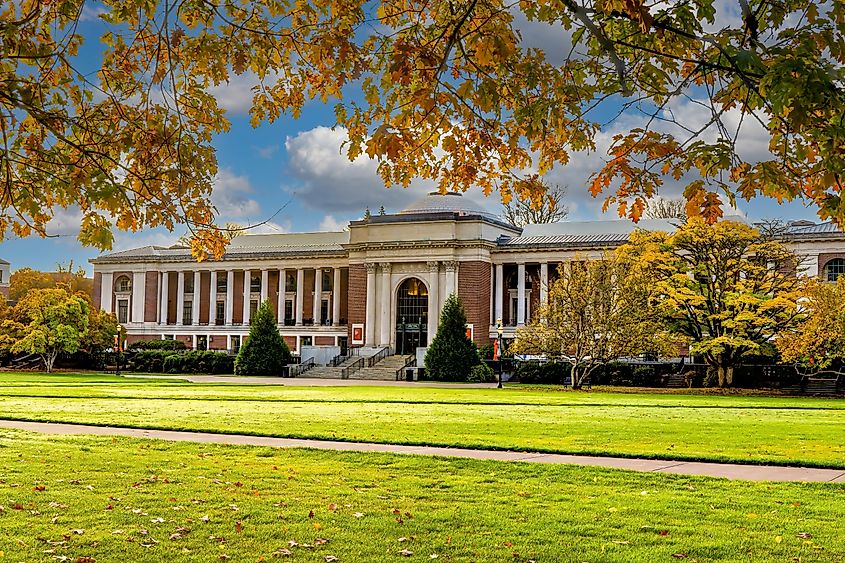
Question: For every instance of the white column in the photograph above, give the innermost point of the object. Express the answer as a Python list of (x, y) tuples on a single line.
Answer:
[(164, 294), (280, 311), (544, 283), (212, 298), (451, 277), (386, 291), (106, 291), (520, 297), (300, 291), (318, 296), (370, 320), (195, 300), (265, 283), (433, 298), (247, 294), (139, 291), (230, 297), (500, 289), (336, 297), (180, 297)]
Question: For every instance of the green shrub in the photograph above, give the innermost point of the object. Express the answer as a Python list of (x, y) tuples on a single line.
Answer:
[(451, 354), (150, 360), (482, 373), (265, 351), (173, 345), (485, 351), (172, 364), (532, 371)]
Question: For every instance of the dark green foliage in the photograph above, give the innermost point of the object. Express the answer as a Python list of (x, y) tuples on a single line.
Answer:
[(485, 351), (541, 372), (482, 373), (198, 361), (265, 351), (158, 345), (451, 355), (150, 360)]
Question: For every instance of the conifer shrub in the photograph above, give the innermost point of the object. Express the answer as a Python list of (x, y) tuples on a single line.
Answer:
[(451, 355), (265, 351)]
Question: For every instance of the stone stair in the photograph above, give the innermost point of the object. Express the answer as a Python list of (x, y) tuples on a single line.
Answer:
[(385, 370)]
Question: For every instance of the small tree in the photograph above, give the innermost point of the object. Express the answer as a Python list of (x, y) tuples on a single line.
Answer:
[(50, 322), (597, 312), (451, 355), (820, 340), (536, 203), (265, 351)]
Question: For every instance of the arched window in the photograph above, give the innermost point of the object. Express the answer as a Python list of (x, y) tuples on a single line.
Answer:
[(123, 285), (834, 269)]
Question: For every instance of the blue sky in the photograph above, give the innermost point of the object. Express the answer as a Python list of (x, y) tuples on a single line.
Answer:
[(293, 175)]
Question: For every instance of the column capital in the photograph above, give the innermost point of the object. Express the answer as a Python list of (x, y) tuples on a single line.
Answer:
[(433, 266), (451, 265), (385, 267), (371, 267)]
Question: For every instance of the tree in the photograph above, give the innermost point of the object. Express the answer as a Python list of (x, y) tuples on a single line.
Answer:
[(597, 312), (23, 280), (451, 354), (549, 209), (725, 286), (56, 322), (265, 351), (448, 91), (659, 208), (819, 340)]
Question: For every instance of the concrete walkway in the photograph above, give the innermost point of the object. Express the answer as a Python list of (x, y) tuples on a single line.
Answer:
[(310, 381), (728, 471)]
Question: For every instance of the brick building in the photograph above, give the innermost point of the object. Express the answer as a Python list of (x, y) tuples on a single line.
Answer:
[(381, 283)]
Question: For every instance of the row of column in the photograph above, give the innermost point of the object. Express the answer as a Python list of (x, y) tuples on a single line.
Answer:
[(247, 296), (499, 276)]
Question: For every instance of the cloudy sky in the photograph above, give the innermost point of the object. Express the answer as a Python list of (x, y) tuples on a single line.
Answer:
[(293, 176)]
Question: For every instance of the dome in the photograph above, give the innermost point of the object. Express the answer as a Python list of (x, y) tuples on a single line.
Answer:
[(450, 202)]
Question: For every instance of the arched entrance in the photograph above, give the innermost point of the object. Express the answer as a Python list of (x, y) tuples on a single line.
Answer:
[(411, 316)]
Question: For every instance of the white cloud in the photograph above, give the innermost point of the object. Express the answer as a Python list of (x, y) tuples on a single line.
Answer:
[(269, 228), (65, 221), (268, 151), (329, 223), (91, 12), (231, 196), (235, 95)]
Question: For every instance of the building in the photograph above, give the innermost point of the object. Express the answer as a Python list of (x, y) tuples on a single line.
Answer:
[(5, 277), (381, 283)]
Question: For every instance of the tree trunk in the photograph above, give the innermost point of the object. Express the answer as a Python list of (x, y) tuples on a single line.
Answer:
[(720, 370), (725, 371), (573, 374), (49, 359)]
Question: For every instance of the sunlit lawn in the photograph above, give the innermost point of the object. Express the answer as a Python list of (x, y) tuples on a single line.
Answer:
[(673, 426), (134, 500)]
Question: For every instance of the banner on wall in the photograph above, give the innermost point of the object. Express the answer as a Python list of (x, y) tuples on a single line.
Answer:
[(357, 333), (470, 332)]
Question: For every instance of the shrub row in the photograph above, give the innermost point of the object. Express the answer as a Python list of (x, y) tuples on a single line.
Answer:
[(172, 345), (195, 361)]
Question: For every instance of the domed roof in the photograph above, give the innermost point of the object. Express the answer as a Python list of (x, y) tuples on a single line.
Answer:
[(450, 202)]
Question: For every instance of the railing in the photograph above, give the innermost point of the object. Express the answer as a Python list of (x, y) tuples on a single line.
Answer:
[(352, 368), (354, 350), (409, 362), (337, 360), (298, 369), (378, 356)]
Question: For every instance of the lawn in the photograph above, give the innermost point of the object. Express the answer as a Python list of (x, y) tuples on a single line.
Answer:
[(107, 499), (780, 430)]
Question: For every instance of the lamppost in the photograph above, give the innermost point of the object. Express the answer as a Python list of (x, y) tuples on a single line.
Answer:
[(118, 344), (500, 330)]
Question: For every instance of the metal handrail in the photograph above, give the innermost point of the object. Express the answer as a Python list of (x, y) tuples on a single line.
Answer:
[(337, 360), (301, 368), (352, 368), (378, 356), (409, 362)]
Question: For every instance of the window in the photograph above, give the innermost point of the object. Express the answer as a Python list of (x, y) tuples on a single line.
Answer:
[(304, 341), (123, 310), (325, 313), (202, 342), (236, 344), (221, 283), (123, 285), (290, 281), (187, 312), (834, 269), (189, 284), (327, 280), (220, 313), (169, 337), (253, 307), (255, 282), (1, 276), (289, 316)]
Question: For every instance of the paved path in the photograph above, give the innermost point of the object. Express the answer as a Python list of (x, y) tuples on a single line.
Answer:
[(310, 381), (728, 471)]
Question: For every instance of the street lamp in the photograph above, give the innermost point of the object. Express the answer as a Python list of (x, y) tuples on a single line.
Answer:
[(118, 344), (500, 330)]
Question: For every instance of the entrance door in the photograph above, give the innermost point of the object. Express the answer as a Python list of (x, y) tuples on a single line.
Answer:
[(411, 316)]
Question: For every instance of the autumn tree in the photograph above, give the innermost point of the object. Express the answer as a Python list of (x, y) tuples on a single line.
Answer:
[(597, 312), (819, 341), (725, 287), (25, 279), (451, 354), (548, 209), (50, 322), (450, 91)]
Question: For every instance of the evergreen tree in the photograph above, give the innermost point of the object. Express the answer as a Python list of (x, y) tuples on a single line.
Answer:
[(265, 351), (451, 355)]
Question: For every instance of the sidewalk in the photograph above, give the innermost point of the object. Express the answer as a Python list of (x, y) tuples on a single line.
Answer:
[(728, 471)]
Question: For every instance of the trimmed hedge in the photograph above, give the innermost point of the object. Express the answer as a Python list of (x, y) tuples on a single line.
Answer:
[(150, 360), (482, 373), (172, 345), (194, 361), (541, 372)]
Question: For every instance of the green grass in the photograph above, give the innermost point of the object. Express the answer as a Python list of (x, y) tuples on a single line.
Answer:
[(749, 429), (109, 498)]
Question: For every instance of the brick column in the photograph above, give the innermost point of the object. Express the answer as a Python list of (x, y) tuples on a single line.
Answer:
[(370, 322)]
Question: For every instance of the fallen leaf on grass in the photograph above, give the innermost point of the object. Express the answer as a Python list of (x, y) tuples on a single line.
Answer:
[(358, 515), (39, 488), (804, 535), (330, 558), (320, 541), (284, 552), (239, 526), (406, 553), (332, 507), (680, 555)]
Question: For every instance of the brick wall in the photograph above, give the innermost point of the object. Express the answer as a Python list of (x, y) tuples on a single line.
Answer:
[(344, 294), (205, 294), (172, 280), (151, 297), (186, 338), (96, 289), (273, 293), (217, 342), (324, 341), (291, 342), (474, 291), (356, 296), (238, 299), (308, 295)]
